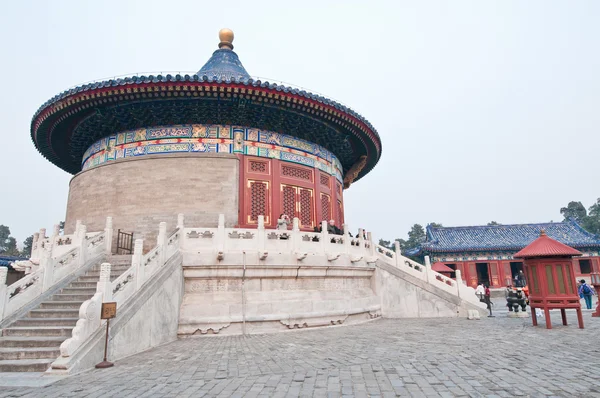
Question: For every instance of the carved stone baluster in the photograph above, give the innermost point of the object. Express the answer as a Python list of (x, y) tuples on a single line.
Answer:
[(81, 242), (108, 235), (261, 238), (161, 241), (137, 263), (3, 290), (104, 286), (397, 252)]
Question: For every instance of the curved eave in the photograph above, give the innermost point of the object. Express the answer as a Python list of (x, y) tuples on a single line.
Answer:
[(73, 106), (500, 248)]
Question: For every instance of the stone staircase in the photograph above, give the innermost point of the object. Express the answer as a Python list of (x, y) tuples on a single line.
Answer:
[(32, 343)]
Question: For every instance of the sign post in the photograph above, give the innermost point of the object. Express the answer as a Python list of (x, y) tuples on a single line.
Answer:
[(109, 311)]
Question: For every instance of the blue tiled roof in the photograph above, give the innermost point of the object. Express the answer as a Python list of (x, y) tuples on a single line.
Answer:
[(5, 261), (503, 237), (224, 65)]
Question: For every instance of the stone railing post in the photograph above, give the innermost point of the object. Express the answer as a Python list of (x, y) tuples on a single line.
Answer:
[(35, 246), (261, 235), (295, 234), (103, 285), (324, 237), (180, 221), (136, 263), (47, 264), (82, 243), (458, 280), (54, 237), (3, 290), (220, 238), (108, 235), (162, 242), (77, 228), (427, 268), (347, 239), (371, 245), (397, 252)]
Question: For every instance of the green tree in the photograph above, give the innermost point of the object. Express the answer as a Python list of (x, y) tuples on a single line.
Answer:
[(592, 221), (435, 225), (493, 223), (61, 227), (27, 243), (386, 243), (8, 244), (575, 211)]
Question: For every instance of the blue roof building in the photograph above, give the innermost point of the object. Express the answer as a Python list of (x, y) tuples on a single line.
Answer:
[(485, 253)]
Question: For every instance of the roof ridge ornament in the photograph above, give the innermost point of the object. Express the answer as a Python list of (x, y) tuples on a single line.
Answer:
[(543, 232), (226, 37)]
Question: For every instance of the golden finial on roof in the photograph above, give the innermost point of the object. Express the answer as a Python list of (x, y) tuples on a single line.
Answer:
[(543, 232), (226, 37)]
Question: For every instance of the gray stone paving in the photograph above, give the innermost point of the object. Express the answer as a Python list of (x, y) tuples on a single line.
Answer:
[(493, 357)]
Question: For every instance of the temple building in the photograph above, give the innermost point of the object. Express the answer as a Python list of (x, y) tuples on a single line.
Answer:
[(484, 254), (145, 148)]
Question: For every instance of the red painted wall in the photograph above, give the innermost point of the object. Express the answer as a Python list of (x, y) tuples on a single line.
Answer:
[(273, 187)]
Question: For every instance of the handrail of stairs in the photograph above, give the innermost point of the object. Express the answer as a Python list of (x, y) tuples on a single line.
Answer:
[(121, 290), (424, 272), (53, 260)]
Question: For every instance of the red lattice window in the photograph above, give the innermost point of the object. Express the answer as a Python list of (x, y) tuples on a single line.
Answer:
[(258, 167), (339, 187), (258, 200), (324, 179), (296, 172), (288, 195), (306, 207), (325, 207), (340, 215)]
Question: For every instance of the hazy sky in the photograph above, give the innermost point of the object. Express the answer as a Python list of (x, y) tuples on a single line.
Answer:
[(488, 110)]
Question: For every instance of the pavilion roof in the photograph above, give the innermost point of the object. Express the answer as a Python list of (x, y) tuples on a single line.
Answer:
[(503, 237), (544, 246), (221, 92), (441, 267)]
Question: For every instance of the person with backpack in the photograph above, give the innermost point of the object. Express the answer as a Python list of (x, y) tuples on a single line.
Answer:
[(586, 291)]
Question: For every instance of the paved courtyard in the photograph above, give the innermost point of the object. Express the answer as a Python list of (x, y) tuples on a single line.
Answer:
[(493, 357)]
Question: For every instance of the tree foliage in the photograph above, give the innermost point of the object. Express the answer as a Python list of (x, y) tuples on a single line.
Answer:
[(27, 244), (591, 222), (575, 211), (8, 244), (493, 223)]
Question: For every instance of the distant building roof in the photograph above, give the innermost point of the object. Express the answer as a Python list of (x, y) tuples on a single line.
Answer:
[(503, 237), (5, 261), (544, 246)]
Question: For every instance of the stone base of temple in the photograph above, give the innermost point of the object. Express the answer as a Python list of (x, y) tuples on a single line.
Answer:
[(260, 299)]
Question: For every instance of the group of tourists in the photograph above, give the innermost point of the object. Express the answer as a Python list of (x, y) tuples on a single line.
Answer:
[(284, 221)]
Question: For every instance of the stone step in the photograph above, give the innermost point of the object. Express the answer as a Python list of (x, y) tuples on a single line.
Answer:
[(38, 331), (71, 297), (91, 285), (12, 353), (88, 279), (30, 342), (120, 267), (54, 313), (61, 305), (26, 365), (96, 274), (79, 290), (46, 322)]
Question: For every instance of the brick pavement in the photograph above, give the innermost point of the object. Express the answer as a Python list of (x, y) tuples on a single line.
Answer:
[(493, 357)]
